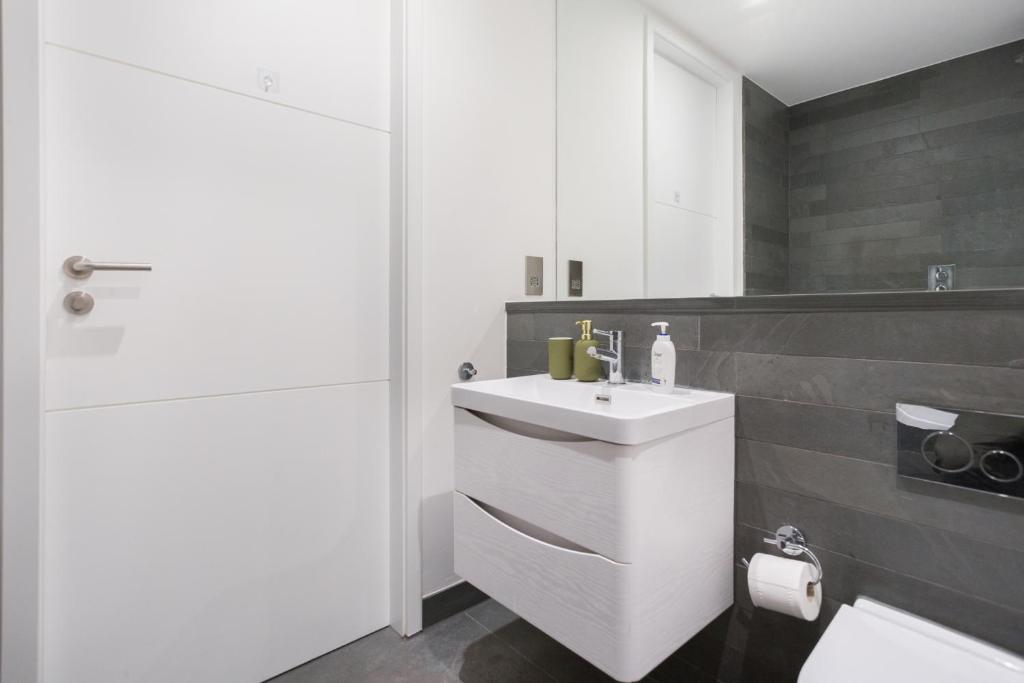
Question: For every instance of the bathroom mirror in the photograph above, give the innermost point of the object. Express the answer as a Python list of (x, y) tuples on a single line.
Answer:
[(774, 147)]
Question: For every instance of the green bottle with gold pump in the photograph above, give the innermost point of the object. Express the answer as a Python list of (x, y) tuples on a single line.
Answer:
[(587, 368)]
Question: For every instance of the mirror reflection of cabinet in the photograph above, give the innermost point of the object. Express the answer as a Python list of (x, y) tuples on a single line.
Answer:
[(648, 175)]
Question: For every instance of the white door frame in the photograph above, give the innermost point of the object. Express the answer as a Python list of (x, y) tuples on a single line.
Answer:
[(406, 317), (23, 340), (664, 39)]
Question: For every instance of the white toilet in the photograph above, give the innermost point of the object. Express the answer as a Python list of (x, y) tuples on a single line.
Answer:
[(871, 642)]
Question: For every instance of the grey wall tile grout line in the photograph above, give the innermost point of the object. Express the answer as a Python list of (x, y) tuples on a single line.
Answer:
[(817, 405), (867, 511), (866, 360)]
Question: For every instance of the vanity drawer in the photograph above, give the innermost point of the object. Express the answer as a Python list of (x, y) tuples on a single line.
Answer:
[(571, 486), (580, 599)]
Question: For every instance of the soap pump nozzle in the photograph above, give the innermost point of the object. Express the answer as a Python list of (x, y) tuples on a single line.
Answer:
[(664, 328)]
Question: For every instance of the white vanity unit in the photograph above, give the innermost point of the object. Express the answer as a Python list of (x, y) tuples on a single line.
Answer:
[(601, 514)]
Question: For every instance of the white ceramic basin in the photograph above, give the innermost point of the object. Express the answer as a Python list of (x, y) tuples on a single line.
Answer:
[(632, 413)]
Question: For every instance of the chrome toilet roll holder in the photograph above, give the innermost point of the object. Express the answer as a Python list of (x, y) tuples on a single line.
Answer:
[(791, 541)]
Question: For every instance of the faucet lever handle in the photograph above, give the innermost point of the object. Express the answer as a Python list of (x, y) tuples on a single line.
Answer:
[(611, 334)]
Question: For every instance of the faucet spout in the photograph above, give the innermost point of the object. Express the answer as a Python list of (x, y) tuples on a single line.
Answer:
[(602, 354), (612, 355)]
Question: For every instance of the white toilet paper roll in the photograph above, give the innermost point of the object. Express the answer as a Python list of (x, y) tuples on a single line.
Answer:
[(784, 585)]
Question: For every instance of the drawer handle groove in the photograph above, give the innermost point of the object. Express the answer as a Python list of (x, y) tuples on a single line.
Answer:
[(526, 429), (532, 531)]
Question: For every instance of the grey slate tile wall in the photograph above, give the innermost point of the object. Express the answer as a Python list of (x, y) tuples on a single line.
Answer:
[(765, 184), (815, 446), (885, 179)]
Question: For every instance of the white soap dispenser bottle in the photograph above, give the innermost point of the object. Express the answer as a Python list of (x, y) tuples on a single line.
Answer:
[(663, 361)]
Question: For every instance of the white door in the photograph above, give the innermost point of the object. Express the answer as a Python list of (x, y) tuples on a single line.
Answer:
[(681, 221), (214, 476)]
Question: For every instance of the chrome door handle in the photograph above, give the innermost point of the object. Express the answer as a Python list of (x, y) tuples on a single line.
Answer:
[(80, 267)]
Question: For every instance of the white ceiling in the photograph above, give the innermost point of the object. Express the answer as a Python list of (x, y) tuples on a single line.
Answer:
[(802, 49)]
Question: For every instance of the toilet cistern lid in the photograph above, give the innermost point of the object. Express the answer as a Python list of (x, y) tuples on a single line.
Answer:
[(874, 642)]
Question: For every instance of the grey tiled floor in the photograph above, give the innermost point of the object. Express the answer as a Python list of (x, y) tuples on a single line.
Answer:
[(485, 644)]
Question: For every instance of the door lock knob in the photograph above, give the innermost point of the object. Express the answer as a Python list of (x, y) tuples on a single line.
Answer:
[(79, 303)]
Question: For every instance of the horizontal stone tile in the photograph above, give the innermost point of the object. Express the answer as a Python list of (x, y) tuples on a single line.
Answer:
[(976, 129), (808, 194), (1011, 198), (964, 337), (894, 146), (763, 263), (875, 266), (840, 201), (846, 579), (758, 284), (767, 234), (546, 325), (879, 385), (523, 373), (862, 434), (636, 328), (520, 326), (527, 355), (979, 231), (808, 224), (868, 249), (981, 183), (867, 98), (988, 572), (711, 370), (637, 365), (885, 231), (684, 330), (990, 277), (969, 113), (1007, 257), (863, 136), (876, 488), (884, 214)]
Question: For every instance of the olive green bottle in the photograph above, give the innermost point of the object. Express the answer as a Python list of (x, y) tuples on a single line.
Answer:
[(587, 368)]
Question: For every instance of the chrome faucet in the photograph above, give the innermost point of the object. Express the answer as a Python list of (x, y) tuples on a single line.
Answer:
[(612, 355)]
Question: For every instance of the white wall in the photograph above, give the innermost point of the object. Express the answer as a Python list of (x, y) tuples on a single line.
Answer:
[(601, 146), (488, 200)]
